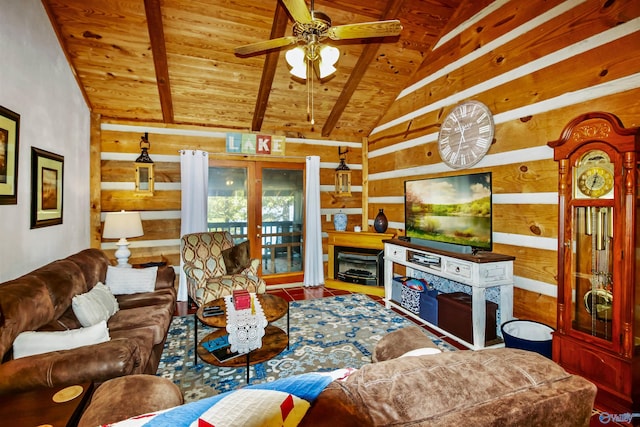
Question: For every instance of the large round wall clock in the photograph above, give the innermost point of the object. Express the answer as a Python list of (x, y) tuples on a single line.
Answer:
[(466, 134)]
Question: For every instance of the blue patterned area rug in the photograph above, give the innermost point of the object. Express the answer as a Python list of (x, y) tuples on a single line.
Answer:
[(325, 334)]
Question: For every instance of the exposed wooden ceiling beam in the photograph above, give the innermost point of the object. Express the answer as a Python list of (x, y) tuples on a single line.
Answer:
[(280, 20), (368, 53), (159, 50)]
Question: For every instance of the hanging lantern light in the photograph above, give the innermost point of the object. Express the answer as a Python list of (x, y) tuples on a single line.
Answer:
[(144, 167), (343, 176)]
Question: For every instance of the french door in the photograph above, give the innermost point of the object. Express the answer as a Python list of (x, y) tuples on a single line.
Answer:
[(264, 203)]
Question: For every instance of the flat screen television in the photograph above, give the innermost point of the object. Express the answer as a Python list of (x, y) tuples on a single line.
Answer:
[(450, 213)]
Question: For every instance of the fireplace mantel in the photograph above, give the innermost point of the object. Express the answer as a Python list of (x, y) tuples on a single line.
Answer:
[(352, 239)]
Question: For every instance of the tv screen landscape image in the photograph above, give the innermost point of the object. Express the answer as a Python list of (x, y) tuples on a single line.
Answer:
[(453, 210)]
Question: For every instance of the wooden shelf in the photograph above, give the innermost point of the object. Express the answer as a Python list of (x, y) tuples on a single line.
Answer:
[(480, 273)]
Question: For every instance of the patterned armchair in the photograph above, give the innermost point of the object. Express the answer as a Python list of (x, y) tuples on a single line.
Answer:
[(204, 266)]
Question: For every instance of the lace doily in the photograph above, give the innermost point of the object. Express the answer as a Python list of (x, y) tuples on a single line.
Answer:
[(245, 327)]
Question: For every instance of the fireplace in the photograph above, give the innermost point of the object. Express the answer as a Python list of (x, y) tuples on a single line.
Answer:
[(359, 265), (363, 254)]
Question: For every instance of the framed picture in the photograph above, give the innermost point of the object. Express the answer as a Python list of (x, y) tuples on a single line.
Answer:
[(46, 188), (9, 135)]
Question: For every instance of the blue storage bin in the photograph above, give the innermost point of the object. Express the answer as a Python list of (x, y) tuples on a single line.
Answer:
[(396, 290), (429, 306), (396, 287)]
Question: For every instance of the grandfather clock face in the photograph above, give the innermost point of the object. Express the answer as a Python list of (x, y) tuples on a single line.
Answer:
[(593, 176)]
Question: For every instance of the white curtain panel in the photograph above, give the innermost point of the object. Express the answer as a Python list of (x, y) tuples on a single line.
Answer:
[(194, 180), (313, 262)]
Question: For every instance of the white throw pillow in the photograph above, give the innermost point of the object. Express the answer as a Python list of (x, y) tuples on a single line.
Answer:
[(30, 343), (123, 281), (96, 305)]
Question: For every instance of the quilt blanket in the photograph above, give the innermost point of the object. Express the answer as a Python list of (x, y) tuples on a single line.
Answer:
[(283, 402)]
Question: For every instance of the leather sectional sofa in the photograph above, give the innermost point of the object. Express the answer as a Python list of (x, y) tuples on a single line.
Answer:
[(492, 387), (42, 301)]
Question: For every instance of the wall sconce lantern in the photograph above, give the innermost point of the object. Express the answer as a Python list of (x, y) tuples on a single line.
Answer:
[(343, 176), (144, 167)]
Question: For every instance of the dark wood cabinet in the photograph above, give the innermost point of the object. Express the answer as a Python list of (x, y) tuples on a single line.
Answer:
[(598, 331)]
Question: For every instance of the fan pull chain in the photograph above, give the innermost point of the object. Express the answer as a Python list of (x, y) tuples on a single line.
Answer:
[(313, 119), (308, 97), (310, 115)]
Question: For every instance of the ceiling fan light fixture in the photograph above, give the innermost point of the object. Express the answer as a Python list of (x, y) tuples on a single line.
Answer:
[(296, 58), (328, 57), (323, 60), (325, 70), (329, 54)]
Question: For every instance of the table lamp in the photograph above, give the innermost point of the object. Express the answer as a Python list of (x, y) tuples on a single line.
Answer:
[(120, 225)]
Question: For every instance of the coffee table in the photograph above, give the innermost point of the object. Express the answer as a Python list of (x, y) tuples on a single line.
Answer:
[(274, 341)]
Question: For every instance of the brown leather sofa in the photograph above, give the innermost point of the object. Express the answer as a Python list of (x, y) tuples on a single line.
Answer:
[(493, 387), (42, 301)]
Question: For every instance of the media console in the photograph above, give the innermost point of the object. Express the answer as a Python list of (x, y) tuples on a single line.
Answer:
[(481, 271)]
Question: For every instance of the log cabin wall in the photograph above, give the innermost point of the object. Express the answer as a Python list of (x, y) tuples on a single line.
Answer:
[(537, 65), (116, 145)]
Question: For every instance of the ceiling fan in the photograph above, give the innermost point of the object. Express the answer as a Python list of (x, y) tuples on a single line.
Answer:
[(311, 27)]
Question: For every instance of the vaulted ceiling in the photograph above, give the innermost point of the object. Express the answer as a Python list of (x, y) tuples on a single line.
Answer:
[(173, 62)]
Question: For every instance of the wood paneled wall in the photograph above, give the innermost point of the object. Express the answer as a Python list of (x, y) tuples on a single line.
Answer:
[(117, 145), (537, 65)]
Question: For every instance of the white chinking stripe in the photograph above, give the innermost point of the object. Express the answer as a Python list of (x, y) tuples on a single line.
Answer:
[(622, 84), (492, 45), (543, 198), (508, 157), (561, 55), (214, 134), (152, 215), (471, 21), (535, 286)]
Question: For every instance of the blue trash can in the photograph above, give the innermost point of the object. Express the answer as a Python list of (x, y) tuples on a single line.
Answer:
[(528, 335)]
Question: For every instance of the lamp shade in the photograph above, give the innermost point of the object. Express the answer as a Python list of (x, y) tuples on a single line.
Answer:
[(122, 224)]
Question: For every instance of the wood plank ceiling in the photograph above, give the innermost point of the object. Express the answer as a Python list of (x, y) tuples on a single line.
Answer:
[(173, 62)]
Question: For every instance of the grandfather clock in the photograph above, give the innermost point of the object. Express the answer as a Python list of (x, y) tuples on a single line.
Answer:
[(598, 331)]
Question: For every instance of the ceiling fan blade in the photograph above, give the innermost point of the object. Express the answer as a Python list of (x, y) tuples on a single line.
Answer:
[(248, 49), (366, 29), (298, 10)]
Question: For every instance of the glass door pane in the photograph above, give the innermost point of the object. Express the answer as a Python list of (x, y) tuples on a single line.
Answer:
[(228, 201), (264, 203), (282, 219), (593, 297)]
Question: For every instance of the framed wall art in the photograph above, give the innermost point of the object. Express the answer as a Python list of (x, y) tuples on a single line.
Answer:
[(46, 188), (9, 136)]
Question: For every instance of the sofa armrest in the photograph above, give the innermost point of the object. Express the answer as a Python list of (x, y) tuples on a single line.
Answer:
[(98, 363), (166, 277)]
